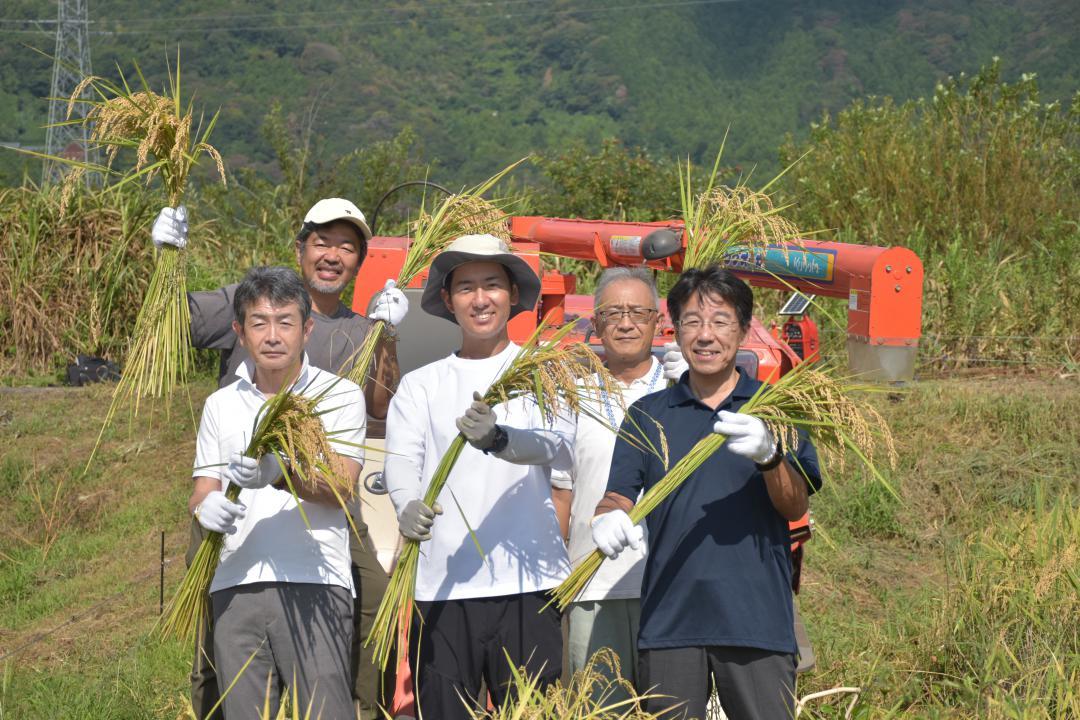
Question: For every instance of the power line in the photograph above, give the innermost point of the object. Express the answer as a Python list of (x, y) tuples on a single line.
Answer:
[(355, 22), (427, 7)]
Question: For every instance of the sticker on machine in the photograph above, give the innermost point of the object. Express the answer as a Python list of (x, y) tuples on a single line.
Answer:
[(853, 300), (626, 245)]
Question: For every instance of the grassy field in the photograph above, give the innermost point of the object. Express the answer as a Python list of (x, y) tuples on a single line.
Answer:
[(961, 600)]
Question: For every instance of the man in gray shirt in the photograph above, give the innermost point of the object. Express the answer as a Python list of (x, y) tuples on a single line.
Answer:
[(330, 248)]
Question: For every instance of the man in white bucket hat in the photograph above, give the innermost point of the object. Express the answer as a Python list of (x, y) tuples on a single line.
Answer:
[(330, 249), (480, 613)]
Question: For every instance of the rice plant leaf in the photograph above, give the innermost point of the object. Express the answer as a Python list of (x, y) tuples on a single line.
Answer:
[(464, 519)]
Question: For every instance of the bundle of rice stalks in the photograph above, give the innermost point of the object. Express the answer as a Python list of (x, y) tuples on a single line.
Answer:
[(833, 412), (465, 213), (289, 425), (559, 378), (725, 224), (158, 130), (592, 693)]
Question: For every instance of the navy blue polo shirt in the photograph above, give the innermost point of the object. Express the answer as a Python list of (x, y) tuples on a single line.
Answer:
[(719, 565)]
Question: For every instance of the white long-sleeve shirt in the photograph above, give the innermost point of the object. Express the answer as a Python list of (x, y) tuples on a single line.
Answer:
[(507, 505)]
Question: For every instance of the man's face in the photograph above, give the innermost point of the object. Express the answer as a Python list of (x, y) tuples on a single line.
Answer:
[(625, 320), (330, 257), (480, 297), (709, 334), (273, 335)]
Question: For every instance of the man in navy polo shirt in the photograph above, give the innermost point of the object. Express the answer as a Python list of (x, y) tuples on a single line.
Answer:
[(716, 595)]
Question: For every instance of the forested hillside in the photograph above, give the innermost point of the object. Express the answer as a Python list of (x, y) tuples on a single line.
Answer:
[(485, 82)]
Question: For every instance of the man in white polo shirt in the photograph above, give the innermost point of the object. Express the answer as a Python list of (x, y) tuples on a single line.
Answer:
[(282, 593), (478, 611), (626, 313)]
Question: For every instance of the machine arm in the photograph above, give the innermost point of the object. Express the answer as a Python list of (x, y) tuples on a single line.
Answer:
[(882, 286)]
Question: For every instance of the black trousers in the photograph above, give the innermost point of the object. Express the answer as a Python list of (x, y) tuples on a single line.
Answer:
[(752, 684), (460, 643)]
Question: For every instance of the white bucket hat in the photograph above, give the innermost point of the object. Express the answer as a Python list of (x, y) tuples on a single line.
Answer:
[(328, 210), (478, 248)]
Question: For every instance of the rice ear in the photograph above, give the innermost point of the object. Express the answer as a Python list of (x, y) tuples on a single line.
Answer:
[(460, 214), (829, 409), (288, 424), (559, 378), (725, 223)]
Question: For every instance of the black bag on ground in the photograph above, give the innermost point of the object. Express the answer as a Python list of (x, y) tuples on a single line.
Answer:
[(86, 370)]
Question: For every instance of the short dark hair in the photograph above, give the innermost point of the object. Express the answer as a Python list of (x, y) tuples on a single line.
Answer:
[(713, 280), (309, 227), (279, 285)]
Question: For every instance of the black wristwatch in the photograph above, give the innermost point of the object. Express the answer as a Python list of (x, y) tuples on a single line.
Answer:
[(499, 443), (774, 461)]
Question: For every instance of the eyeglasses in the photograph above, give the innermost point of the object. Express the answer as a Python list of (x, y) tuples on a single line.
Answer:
[(636, 315), (692, 326)]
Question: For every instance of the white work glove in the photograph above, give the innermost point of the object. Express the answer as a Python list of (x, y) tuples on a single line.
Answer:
[(478, 424), (746, 436), (390, 304), (614, 531), (674, 363), (252, 474), (170, 228), (416, 519), (216, 513)]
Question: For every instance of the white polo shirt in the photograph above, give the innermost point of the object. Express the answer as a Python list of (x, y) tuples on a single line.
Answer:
[(508, 506), (593, 444), (272, 543)]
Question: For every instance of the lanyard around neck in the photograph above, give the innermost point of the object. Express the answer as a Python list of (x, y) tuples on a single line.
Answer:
[(607, 401)]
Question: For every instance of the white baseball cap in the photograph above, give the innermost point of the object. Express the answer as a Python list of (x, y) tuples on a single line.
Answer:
[(328, 210)]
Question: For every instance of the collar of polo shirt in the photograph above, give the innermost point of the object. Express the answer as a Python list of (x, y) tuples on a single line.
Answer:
[(681, 393), (246, 373)]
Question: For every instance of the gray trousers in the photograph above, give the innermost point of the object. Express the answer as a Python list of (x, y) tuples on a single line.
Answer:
[(371, 688), (291, 635), (609, 624), (752, 684)]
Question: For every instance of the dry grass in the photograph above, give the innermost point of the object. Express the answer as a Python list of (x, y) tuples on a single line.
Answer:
[(69, 283), (592, 693)]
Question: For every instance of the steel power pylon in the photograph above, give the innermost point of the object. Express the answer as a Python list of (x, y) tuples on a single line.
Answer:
[(71, 64)]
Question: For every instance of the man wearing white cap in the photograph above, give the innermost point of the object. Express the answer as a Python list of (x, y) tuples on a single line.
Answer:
[(330, 248), (480, 613)]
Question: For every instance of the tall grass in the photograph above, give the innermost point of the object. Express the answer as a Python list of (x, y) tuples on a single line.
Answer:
[(958, 602), (982, 180), (1009, 628), (69, 282)]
